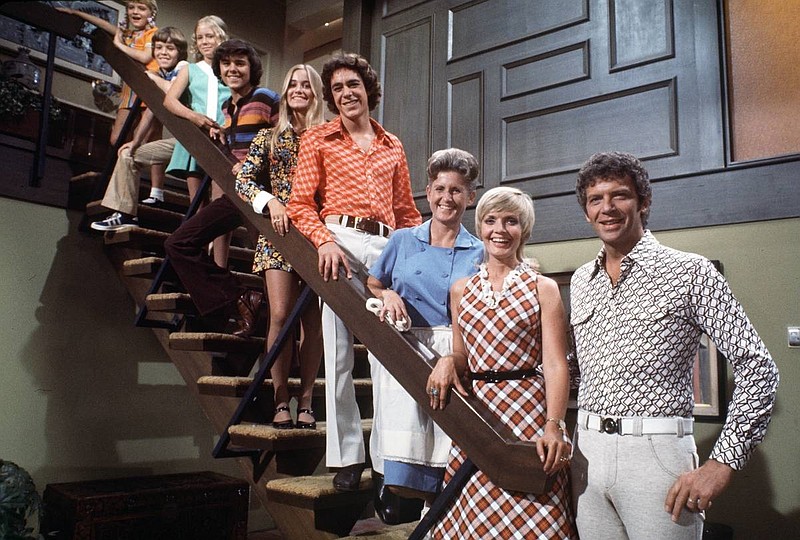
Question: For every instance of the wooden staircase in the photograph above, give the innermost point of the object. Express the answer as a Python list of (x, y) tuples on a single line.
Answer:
[(302, 507)]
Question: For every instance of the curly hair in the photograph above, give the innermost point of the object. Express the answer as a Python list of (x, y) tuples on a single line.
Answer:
[(615, 165), (355, 63), (457, 160), (235, 47)]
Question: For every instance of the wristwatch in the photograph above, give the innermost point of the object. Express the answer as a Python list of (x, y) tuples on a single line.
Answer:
[(562, 426)]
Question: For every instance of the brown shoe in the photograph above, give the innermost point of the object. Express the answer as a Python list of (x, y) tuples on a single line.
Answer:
[(248, 308)]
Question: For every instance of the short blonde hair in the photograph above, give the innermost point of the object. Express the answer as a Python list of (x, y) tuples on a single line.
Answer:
[(508, 199), (217, 25)]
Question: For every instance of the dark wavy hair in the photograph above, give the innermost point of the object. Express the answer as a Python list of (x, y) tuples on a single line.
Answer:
[(615, 165), (355, 63), (234, 47)]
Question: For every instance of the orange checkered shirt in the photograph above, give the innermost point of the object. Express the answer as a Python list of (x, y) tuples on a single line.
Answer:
[(334, 176)]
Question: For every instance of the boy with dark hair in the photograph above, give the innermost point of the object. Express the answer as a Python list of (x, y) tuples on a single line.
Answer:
[(351, 189)]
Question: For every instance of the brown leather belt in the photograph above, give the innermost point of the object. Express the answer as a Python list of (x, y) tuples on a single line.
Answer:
[(367, 225)]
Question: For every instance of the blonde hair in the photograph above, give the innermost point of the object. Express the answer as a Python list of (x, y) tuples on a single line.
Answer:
[(125, 24), (508, 199), (315, 114), (219, 28)]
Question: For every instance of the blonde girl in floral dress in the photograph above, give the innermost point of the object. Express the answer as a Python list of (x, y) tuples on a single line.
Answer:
[(275, 150)]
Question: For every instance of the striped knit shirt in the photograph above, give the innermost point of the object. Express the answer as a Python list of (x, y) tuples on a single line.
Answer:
[(254, 111), (335, 176)]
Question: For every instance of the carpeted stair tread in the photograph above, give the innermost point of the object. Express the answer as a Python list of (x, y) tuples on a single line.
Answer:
[(153, 240), (314, 491), (215, 342), (375, 529), (266, 437), (172, 200), (171, 302), (218, 385), (146, 267)]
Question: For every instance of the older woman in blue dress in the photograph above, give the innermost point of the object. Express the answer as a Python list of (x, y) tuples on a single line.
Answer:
[(412, 278)]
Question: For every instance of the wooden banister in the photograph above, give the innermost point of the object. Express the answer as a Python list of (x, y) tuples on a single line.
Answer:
[(492, 446)]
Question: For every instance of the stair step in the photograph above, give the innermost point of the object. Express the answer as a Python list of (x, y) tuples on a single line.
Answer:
[(266, 437), (146, 267), (164, 219), (173, 200), (377, 530), (153, 240), (216, 385), (305, 506), (171, 302), (215, 342)]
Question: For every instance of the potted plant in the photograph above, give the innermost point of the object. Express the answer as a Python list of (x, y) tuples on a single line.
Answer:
[(19, 502), (20, 109)]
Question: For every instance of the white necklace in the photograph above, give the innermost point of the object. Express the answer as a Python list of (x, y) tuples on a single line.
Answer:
[(491, 297)]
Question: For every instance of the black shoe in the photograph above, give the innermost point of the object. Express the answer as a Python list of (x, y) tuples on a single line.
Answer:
[(286, 424), (305, 425), (348, 478), (393, 509)]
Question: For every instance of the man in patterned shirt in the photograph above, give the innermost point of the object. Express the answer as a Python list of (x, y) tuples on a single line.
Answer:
[(638, 312), (351, 189)]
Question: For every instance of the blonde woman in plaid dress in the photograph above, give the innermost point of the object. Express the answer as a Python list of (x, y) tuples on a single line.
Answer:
[(509, 324)]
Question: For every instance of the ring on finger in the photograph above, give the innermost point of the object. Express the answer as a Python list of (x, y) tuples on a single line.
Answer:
[(434, 392)]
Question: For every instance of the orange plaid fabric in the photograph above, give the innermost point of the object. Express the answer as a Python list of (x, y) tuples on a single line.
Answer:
[(504, 338), (334, 176)]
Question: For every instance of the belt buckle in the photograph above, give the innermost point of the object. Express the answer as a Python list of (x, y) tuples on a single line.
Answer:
[(609, 425), (491, 376)]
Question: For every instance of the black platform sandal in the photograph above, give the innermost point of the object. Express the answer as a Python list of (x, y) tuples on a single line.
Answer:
[(306, 425), (286, 424)]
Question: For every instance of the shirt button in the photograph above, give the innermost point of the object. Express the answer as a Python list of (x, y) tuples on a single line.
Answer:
[(418, 272), (445, 275)]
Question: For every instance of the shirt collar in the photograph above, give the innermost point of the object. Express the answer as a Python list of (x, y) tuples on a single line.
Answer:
[(644, 249), (244, 100), (334, 128), (464, 240)]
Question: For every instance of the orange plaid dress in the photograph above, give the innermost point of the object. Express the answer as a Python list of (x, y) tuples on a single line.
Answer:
[(502, 332)]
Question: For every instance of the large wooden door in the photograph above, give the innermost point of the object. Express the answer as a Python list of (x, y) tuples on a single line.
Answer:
[(533, 87)]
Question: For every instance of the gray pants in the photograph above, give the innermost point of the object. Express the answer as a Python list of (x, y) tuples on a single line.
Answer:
[(122, 193), (620, 485)]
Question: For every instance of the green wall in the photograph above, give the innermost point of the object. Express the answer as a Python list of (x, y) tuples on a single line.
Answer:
[(83, 393), (763, 268)]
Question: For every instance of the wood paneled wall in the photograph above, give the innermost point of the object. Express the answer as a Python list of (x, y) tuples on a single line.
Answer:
[(533, 88)]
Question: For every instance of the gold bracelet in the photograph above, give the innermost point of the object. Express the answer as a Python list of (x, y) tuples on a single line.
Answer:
[(562, 426)]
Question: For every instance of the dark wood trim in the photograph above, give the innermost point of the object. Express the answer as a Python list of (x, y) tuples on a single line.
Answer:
[(356, 26), (742, 194)]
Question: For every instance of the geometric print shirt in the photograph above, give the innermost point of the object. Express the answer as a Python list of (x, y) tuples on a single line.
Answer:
[(635, 343)]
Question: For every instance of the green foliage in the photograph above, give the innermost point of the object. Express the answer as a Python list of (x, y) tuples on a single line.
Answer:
[(16, 100), (19, 502)]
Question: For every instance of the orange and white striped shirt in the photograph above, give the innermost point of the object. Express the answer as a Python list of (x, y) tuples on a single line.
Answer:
[(335, 176)]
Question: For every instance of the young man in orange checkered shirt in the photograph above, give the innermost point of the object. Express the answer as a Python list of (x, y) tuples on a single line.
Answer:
[(351, 190)]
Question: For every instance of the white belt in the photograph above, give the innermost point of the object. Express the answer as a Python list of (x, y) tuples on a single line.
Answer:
[(636, 425)]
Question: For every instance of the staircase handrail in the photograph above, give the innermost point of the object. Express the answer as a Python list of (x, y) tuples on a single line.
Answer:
[(509, 462)]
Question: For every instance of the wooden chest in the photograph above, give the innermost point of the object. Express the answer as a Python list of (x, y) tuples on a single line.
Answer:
[(188, 506)]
